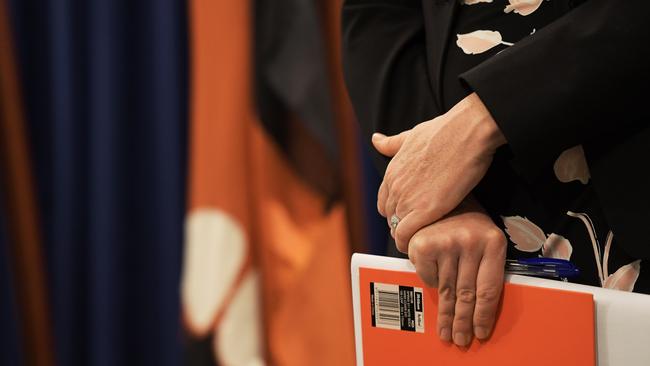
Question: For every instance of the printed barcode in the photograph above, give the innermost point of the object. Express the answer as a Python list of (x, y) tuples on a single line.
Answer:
[(388, 308), (396, 307)]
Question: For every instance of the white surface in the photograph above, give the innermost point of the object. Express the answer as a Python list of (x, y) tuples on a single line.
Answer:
[(622, 318)]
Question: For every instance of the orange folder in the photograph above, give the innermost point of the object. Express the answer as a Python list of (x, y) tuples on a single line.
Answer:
[(535, 326)]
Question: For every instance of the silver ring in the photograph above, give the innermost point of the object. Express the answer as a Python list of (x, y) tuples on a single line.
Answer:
[(394, 220)]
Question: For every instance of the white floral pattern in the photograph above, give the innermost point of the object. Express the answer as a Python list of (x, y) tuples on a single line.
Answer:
[(480, 41), (572, 165), (528, 237), (557, 246), (625, 277), (523, 7)]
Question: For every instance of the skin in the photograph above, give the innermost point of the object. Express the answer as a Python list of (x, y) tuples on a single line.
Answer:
[(433, 169), (462, 255)]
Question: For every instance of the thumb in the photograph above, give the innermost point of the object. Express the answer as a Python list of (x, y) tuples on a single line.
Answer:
[(389, 145)]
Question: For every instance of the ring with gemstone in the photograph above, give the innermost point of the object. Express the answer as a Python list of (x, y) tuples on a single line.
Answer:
[(394, 220)]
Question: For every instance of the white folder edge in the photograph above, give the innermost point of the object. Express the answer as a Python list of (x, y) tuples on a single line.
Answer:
[(622, 318)]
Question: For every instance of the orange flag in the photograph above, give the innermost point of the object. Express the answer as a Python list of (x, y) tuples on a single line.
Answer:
[(265, 270)]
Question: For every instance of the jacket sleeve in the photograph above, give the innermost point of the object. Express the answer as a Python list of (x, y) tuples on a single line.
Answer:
[(581, 78), (385, 66)]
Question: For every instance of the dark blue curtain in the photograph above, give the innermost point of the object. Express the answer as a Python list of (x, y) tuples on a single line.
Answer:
[(105, 84)]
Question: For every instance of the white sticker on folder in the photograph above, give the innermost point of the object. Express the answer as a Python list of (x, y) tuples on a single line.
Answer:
[(397, 307)]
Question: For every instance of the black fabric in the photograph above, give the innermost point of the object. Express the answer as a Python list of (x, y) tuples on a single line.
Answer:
[(580, 81), (291, 72), (618, 165), (573, 82), (487, 16), (385, 64), (293, 94), (545, 200)]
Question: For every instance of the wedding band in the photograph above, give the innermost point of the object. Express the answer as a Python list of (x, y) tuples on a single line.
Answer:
[(394, 220)]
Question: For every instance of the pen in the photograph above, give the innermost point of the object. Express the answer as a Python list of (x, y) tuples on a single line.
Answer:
[(542, 267)]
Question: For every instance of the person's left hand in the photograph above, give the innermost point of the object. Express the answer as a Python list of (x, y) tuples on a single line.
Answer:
[(435, 165), (463, 256)]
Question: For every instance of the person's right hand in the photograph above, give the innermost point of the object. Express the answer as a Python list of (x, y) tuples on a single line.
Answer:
[(463, 255)]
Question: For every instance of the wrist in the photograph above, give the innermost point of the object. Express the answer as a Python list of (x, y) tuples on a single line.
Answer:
[(488, 132)]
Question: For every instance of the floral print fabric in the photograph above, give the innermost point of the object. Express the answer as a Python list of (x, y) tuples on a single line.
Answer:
[(557, 216)]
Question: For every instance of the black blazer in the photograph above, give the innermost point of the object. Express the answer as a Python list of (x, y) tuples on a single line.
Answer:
[(583, 79)]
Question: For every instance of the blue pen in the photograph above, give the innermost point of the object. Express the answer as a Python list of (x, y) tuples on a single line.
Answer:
[(542, 267)]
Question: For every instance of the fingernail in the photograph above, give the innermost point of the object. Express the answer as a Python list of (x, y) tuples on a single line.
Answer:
[(461, 339), (445, 334), (481, 333)]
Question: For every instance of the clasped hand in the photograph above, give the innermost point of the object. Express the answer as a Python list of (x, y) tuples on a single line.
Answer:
[(453, 244)]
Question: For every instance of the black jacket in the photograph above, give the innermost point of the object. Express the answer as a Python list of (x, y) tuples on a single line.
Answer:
[(583, 79)]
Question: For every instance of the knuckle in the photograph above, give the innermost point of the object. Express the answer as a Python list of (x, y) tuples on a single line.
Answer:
[(445, 243), (488, 294), (466, 295), (495, 237), (402, 208), (465, 237), (418, 242), (446, 292), (421, 246)]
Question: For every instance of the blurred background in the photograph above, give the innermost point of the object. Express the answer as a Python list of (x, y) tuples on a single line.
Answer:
[(182, 183)]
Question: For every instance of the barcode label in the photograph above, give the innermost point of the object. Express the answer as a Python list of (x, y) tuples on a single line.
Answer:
[(397, 307)]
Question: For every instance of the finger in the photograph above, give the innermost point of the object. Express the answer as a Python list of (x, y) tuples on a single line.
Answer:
[(382, 195), (489, 283), (410, 224), (389, 145), (465, 299), (425, 264), (427, 270), (391, 203), (447, 271)]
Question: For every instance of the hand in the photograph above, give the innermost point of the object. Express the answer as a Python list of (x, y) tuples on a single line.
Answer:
[(463, 255), (435, 165)]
